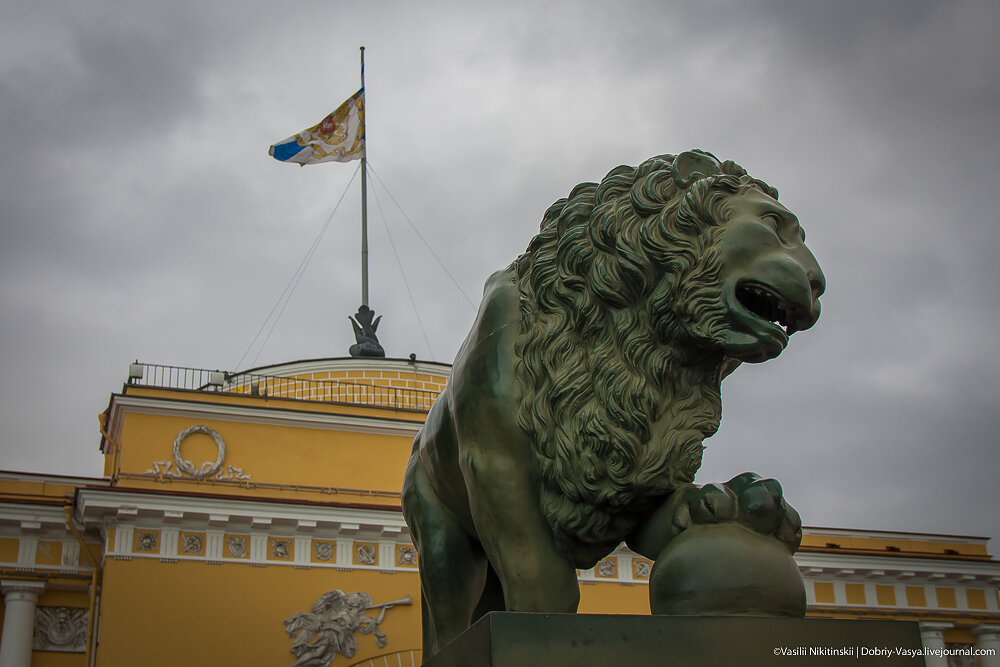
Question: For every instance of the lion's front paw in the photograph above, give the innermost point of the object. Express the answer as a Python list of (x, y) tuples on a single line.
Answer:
[(730, 552), (748, 499)]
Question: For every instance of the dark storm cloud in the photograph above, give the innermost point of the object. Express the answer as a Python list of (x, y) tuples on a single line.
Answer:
[(141, 217), (902, 396)]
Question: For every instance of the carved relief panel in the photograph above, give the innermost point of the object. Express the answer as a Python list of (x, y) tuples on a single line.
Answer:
[(60, 629)]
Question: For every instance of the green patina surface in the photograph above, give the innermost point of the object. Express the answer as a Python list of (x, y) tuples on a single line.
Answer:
[(578, 404)]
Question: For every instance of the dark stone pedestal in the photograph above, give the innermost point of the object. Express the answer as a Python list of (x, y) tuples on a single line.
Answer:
[(506, 639)]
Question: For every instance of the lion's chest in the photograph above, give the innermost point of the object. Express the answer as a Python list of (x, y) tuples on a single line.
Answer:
[(589, 527)]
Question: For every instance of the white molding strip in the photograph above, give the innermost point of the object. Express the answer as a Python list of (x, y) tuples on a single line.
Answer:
[(268, 415), (197, 512)]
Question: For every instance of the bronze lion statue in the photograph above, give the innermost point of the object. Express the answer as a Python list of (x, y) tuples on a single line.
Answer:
[(577, 405)]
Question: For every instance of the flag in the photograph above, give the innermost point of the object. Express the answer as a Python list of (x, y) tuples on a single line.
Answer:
[(340, 137)]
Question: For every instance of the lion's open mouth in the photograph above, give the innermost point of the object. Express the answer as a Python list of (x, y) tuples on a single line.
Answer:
[(768, 306)]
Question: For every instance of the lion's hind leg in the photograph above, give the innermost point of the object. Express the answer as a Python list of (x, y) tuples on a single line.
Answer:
[(453, 566), (492, 598)]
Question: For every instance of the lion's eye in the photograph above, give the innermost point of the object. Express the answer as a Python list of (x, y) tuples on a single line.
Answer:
[(772, 221), (786, 230)]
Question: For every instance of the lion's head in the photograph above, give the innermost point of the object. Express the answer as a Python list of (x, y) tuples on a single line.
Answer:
[(637, 296)]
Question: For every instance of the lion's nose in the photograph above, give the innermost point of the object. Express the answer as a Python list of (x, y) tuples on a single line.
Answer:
[(817, 283), (814, 274)]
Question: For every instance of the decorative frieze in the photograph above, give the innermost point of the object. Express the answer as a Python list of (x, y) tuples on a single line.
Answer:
[(146, 541), (406, 556), (347, 538), (191, 544), (280, 548), (641, 568), (262, 549), (607, 568), (365, 553), (237, 546), (324, 551)]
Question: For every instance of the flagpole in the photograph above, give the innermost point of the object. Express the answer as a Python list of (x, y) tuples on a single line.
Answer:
[(364, 202)]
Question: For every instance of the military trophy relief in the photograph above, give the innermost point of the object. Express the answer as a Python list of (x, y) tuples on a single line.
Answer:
[(324, 550), (193, 545), (62, 629), (330, 626), (238, 547), (146, 541)]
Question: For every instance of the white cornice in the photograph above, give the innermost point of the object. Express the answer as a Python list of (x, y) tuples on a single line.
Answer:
[(897, 568), (43, 521), (98, 506), (263, 415), (31, 517)]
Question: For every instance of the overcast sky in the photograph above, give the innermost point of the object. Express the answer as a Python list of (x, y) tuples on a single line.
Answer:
[(142, 218)]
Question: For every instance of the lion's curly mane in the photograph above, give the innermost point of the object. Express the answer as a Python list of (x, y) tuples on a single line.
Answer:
[(619, 364)]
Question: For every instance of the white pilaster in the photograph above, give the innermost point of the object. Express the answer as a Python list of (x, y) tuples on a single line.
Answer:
[(345, 552), (932, 636), (302, 546), (20, 598), (258, 548), (386, 555), (625, 569), (70, 554), (123, 539), (168, 542), (839, 593), (26, 550), (988, 638), (214, 545), (900, 591), (810, 591)]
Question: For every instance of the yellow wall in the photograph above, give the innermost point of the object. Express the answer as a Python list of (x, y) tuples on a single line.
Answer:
[(885, 595), (855, 593), (168, 614), (8, 549), (57, 659), (824, 592), (946, 598), (269, 453), (602, 598), (915, 596), (41, 489), (976, 598), (901, 545)]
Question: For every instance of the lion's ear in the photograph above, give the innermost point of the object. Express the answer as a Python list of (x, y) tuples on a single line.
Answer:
[(691, 166)]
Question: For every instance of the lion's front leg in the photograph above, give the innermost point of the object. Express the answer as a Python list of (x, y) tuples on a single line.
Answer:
[(724, 549), (503, 496)]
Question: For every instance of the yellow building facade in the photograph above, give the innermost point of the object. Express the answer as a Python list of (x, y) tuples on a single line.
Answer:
[(235, 506)]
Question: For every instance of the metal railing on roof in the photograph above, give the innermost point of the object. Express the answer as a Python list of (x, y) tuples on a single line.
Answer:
[(274, 386)]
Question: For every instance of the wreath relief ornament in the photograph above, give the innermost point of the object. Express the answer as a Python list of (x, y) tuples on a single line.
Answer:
[(207, 469)]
